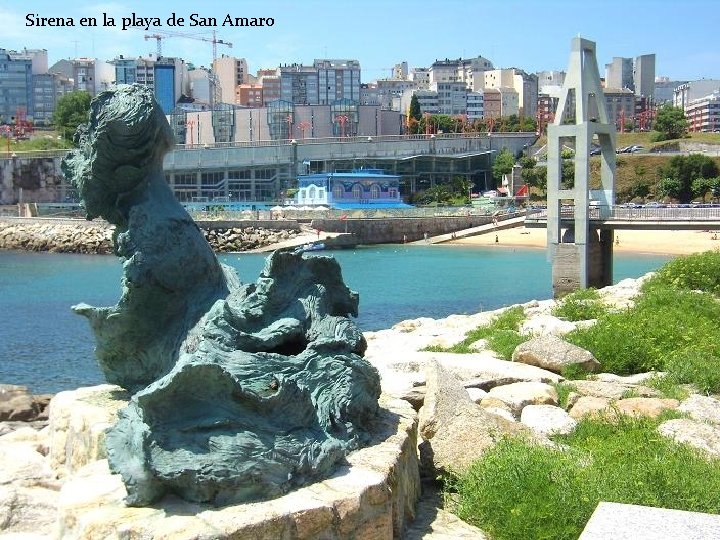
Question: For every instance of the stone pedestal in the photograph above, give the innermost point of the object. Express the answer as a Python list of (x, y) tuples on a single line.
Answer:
[(372, 496), (77, 423)]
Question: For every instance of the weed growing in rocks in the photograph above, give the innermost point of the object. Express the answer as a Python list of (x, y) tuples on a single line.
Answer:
[(580, 305), (502, 335)]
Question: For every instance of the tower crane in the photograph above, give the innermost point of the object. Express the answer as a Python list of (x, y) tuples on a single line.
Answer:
[(215, 90)]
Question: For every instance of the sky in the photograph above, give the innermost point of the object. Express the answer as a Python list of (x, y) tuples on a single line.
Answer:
[(531, 35)]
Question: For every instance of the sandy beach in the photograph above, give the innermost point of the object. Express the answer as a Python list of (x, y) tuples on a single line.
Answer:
[(656, 242)]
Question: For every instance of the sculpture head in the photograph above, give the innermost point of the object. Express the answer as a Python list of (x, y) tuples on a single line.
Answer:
[(123, 142)]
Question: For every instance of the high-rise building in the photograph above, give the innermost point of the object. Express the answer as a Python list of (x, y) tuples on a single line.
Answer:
[(16, 89), (299, 84), (200, 85), (47, 89), (326, 82), (703, 114), (619, 73), (636, 74), (421, 78), (167, 76), (664, 89), (230, 73), (337, 79), (400, 71), (644, 75)]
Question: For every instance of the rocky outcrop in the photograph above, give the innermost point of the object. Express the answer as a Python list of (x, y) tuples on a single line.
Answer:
[(18, 405), (547, 420), (28, 488), (455, 430), (516, 396), (245, 239), (610, 408), (554, 354), (96, 238), (701, 435), (702, 408)]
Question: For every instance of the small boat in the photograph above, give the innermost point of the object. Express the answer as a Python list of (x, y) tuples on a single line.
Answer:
[(318, 246)]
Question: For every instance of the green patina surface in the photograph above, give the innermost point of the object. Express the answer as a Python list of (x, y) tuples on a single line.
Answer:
[(242, 392)]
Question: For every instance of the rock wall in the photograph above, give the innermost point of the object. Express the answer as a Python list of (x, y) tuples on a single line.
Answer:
[(38, 179), (79, 236)]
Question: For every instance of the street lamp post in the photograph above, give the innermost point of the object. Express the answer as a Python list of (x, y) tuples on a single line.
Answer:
[(191, 125), (343, 119), (289, 121), (302, 126)]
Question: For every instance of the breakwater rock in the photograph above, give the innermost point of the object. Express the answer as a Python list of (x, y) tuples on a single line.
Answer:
[(79, 236), (56, 237)]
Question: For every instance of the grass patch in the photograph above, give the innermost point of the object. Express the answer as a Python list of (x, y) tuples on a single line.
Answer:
[(501, 334), (669, 329), (580, 305), (668, 387), (564, 390), (521, 490)]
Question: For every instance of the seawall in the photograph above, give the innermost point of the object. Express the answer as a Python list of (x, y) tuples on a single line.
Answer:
[(399, 230), (81, 236)]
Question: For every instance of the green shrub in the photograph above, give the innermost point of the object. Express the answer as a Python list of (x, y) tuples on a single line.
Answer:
[(663, 322), (700, 271), (697, 366), (580, 305), (668, 387), (520, 490)]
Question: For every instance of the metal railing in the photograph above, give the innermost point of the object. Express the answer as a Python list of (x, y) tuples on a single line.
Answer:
[(624, 213)]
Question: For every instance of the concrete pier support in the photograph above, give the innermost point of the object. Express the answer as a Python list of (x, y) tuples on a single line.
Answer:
[(582, 255)]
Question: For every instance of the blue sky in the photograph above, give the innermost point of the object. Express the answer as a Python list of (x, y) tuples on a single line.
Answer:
[(532, 35)]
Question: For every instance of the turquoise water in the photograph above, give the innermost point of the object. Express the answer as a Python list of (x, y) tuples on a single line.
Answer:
[(48, 348)]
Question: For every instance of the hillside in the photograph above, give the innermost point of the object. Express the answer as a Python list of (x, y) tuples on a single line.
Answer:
[(645, 166)]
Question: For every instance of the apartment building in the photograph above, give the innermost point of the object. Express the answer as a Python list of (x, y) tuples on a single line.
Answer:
[(16, 86), (230, 72), (703, 114), (337, 79), (249, 95), (523, 84)]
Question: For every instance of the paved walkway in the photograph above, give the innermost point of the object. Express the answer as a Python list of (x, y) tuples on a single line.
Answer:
[(474, 231)]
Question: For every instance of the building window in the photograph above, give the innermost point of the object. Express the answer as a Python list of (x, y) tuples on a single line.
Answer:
[(357, 191), (374, 191), (337, 192)]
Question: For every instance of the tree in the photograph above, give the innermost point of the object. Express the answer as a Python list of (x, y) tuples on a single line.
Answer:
[(71, 110), (670, 123), (670, 187), (415, 108), (702, 186), (685, 169), (503, 164)]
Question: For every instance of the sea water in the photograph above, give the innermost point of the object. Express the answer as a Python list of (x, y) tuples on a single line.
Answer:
[(48, 348)]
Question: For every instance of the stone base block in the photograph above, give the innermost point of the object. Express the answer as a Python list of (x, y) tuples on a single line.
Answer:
[(372, 496), (77, 424)]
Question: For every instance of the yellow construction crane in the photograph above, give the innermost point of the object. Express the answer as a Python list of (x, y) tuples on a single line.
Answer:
[(215, 91)]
